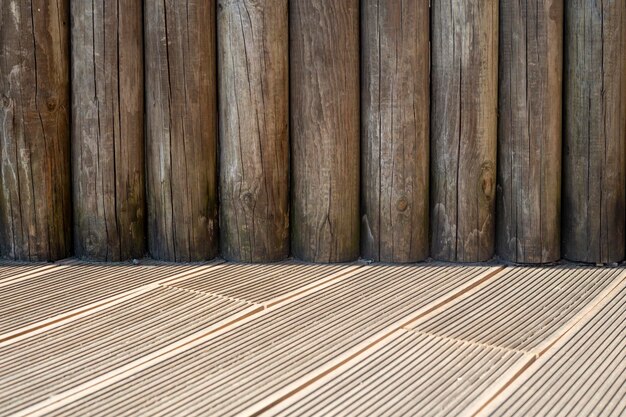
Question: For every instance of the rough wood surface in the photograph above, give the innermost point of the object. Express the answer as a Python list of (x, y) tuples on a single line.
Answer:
[(529, 131), (35, 201), (464, 128), (107, 129), (594, 194), (324, 98), (395, 130), (254, 129), (181, 129)]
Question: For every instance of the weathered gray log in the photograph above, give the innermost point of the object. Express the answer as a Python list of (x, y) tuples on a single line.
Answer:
[(254, 129), (464, 129), (324, 100), (35, 200), (594, 195), (529, 131), (181, 129), (395, 130), (107, 129)]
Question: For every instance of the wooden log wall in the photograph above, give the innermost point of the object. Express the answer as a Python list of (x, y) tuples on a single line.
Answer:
[(464, 129), (529, 131), (35, 202), (395, 99), (324, 105), (594, 195), (254, 129), (107, 129), (392, 130), (181, 129)]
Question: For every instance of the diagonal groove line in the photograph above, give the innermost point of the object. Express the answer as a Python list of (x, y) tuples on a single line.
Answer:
[(63, 318), (362, 349), (30, 274), (254, 311)]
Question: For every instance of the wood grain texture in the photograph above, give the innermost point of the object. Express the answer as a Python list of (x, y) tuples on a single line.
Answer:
[(107, 129), (324, 98), (254, 129), (529, 131), (395, 130), (594, 195), (464, 129), (35, 201), (181, 129)]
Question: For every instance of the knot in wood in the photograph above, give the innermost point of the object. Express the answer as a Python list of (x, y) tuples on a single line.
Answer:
[(402, 204), (247, 199), (51, 103), (487, 180)]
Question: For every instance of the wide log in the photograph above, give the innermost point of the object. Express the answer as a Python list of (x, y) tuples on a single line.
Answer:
[(594, 162), (529, 131), (395, 130), (35, 196), (254, 129), (181, 129), (107, 129), (463, 129), (324, 99)]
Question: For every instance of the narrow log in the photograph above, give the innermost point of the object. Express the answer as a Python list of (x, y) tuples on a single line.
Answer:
[(35, 200), (107, 129), (254, 129), (395, 130), (464, 129), (324, 90), (529, 131), (181, 129), (594, 181)]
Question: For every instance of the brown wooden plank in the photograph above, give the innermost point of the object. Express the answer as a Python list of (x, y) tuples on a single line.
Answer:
[(324, 100), (181, 129), (395, 130), (254, 129), (594, 179), (463, 123), (35, 205), (529, 131), (107, 129)]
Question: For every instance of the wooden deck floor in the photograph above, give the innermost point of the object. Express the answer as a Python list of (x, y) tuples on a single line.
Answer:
[(301, 339)]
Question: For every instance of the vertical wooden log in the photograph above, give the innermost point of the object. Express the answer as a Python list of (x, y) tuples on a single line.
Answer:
[(107, 129), (529, 130), (395, 130), (35, 202), (181, 129), (463, 123), (324, 90), (254, 129), (594, 198)]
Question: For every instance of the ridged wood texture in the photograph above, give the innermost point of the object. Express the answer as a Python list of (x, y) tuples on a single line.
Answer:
[(181, 129), (395, 103), (35, 201), (594, 181), (324, 104), (254, 129), (529, 131), (464, 129), (107, 129)]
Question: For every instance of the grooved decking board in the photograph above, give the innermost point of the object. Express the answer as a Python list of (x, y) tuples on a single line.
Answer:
[(584, 374), (60, 359), (283, 348), (412, 374), (8, 270), (260, 283), (523, 307), (69, 287)]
